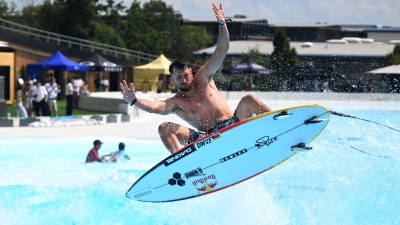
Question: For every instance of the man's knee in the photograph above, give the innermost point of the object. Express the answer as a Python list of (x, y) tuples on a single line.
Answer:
[(166, 128), (249, 98)]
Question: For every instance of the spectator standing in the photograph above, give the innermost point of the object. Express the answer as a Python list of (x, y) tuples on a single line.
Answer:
[(41, 96), (326, 87), (383, 86), (69, 95), (93, 155), (370, 86), (27, 98), (19, 108), (84, 88), (360, 85), (284, 85), (316, 85), (247, 86), (52, 89), (106, 84), (34, 104), (97, 83), (77, 88)]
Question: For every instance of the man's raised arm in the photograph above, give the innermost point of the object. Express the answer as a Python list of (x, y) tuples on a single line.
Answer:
[(222, 48), (160, 107)]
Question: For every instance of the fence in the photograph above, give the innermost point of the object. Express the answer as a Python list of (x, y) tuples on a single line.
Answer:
[(72, 42)]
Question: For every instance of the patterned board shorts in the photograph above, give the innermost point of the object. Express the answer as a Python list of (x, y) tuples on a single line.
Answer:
[(194, 135)]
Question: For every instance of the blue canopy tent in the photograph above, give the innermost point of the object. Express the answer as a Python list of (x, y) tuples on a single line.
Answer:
[(55, 62)]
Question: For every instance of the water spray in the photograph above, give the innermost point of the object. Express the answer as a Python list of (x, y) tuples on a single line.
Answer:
[(344, 115)]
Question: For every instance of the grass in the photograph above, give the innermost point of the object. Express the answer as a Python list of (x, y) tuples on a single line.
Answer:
[(61, 110)]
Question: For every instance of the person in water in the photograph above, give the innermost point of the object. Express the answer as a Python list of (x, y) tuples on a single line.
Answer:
[(118, 155), (93, 155), (197, 100)]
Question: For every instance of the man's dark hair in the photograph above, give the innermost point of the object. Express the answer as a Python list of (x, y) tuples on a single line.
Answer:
[(179, 64), (121, 146)]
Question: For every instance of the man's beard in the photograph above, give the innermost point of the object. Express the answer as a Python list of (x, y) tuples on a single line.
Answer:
[(186, 88)]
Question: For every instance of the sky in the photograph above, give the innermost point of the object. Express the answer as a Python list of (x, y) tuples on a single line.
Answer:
[(380, 12)]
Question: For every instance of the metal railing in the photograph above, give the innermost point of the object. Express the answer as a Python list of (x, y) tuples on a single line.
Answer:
[(72, 42)]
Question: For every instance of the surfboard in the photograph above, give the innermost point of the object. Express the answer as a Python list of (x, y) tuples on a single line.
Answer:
[(231, 155)]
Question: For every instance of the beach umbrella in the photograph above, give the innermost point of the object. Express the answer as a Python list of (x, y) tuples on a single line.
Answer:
[(394, 69)]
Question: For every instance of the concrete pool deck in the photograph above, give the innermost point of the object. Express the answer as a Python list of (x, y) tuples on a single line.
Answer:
[(145, 126)]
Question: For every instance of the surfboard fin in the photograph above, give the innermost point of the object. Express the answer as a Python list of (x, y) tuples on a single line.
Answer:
[(300, 147), (313, 120), (282, 115)]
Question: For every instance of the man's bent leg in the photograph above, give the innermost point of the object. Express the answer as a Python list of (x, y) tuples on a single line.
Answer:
[(173, 136), (248, 105)]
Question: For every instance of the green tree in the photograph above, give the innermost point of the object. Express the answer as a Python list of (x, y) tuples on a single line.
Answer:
[(187, 40), (105, 34), (29, 15), (394, 57), (141, 31), (3, 8), (261, 82), (283, 58), (160, 17), (76, 17), (109, 13), (48, 17)]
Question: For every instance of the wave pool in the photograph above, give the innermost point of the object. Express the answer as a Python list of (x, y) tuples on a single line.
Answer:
[(350, 177)]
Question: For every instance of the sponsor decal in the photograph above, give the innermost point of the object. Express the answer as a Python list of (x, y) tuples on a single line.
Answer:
[(234, 155), (207, 187), (174, 158), (176, 179), (216, 136), (194, 173), (204, 180), (265, 141), (143, 192), (87, 63), (203, 142), (110, 64)]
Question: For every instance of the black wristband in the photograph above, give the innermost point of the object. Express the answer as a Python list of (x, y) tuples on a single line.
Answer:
[(134, 101)]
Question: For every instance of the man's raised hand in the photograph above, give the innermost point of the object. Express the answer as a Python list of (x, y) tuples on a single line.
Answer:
[(128, 92), (219, 13)]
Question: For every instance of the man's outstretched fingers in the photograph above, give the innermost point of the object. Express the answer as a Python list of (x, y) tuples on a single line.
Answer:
[(126, 85), (122, 87), (131, 86)]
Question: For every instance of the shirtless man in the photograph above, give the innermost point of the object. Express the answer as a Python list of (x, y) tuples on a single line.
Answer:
[(198, 100)]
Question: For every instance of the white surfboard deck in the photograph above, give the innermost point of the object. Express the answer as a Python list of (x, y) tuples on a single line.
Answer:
[(230, 155)]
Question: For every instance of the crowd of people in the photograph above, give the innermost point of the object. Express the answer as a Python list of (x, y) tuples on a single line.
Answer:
[(34, 99), (101, 84)]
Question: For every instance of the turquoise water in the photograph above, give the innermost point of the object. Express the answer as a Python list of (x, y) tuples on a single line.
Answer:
[(44, 181)]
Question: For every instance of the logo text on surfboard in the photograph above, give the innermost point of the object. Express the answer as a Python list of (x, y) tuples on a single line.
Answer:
[(142, 192), (194, 173), (204, 179), (179, 155), (231, 156), (265, 141)]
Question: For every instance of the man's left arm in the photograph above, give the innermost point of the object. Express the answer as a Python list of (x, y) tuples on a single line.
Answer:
[(208, 69)]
